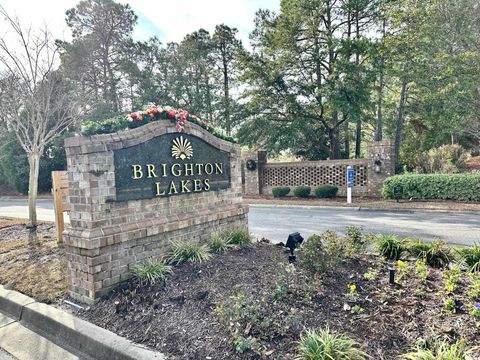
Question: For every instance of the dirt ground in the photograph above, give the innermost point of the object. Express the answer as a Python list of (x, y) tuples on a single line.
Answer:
[(188, 318), (31, 261)]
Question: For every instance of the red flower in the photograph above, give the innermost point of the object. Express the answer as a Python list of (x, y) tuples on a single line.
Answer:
[(133, 115), (154, 111), (171, 114), (140, 118), (183, 115)]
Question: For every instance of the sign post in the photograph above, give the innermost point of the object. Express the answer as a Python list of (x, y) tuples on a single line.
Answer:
[(350, 181)]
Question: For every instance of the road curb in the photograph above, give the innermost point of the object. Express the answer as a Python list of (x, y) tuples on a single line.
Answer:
[(69, 331), (352, 208)]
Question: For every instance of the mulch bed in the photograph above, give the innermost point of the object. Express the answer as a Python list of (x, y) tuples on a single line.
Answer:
[(185, 317)]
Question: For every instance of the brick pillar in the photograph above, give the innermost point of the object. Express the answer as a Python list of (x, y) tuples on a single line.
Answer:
[(253, 178), (381, 164)]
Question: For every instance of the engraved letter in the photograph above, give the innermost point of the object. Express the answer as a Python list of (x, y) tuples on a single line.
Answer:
[(185, 187), (175, 173), (218, 168), (159, 190), (208, 168), (206, 184), (151, 171), (137, 172)]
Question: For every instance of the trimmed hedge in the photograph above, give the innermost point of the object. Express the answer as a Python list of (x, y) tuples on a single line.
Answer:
[(280, 191), (302, 191), (434, 186), (326, 191)]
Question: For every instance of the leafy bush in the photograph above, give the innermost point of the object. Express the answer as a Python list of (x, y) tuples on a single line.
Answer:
[(189, 252), (326, 191), (105, 126), (444, 159), (220, 242), (152, 270), (325, 345), (355, 238), (302, 191), (321, 252), (389, 246), (471, 256), (434, 186), (239, 237), (436, 253), (280, 191), (442, 351)]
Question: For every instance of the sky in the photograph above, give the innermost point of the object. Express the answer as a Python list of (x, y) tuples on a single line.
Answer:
[(169, 20)]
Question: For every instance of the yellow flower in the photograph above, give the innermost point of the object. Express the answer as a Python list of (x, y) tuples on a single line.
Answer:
[(353, 287)]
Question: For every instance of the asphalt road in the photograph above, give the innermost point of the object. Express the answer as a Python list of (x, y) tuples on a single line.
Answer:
[(276, 222)]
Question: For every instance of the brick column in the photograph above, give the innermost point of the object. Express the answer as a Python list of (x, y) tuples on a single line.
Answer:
[(381, 164), (253, 178)]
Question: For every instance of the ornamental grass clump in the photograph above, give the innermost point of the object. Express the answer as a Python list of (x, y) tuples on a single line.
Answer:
[(436, 253), (152, 270), (389, 246), (442, 351), (220, 243), (239, 238), (183, 251), (471, 256), (325, 345)]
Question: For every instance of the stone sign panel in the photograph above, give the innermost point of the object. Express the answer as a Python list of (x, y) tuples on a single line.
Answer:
[(133, 192), (171, 164)]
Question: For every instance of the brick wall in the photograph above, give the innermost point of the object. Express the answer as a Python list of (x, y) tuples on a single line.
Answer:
[(368, 181), (107, 237)]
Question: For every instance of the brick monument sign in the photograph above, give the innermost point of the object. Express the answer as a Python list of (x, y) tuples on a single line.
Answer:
[(131, 193)]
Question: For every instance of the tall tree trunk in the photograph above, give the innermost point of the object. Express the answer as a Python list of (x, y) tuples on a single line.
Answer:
[(34, 164), (347, 140), (379, 126), (400, 121), (228, 124), (358, 130), (334, 135)]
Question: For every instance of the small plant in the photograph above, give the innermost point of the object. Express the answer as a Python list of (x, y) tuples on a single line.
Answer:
[(302, 191), (352, 293), (183, 251), (314, 256), (451, 278), (325, 345), (371, 274), (242, 343), (220, 243), (402, 269), (326, 191), (442, 351), (356, 239), (436, 253), (239, 237), (152, 271), (335, 245), (357, 309), (389, 246), (471, 256), (475, 287), (421, 270), (475, 312), (280, 191), (449, 305)]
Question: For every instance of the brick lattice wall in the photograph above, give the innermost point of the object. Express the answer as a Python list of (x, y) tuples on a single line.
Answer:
[(107, 237)]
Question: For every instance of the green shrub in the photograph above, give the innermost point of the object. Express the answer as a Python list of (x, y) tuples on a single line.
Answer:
[(434, 186), (280, 191), (239, 237), (471, 256), (326, 191), (325, 345), (355, 238), (302, 191), (152, 270), (220, 242), (436, 253), (321, 252), (389, 246), (184, 251), (442, 351)]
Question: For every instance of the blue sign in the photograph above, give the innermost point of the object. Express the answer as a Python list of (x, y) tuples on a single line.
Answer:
[(350, 177)]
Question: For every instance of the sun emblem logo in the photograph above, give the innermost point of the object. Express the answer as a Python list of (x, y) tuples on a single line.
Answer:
[(182, 148)]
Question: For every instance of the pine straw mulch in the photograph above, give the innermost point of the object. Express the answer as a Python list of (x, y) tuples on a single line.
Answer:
[(250, 295), (31, 260)]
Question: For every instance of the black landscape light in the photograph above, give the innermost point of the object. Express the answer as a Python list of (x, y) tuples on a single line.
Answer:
[(294, 240), (391, 276)]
